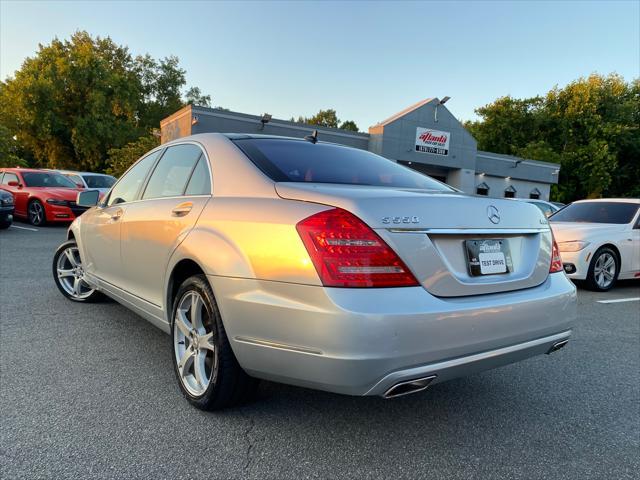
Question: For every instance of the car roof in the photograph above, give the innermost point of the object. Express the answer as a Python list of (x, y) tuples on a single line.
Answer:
[(75, 172), (22, 170)]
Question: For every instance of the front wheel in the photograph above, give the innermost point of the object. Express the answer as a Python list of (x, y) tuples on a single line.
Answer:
[(206, 368), (68, 273), (37, 216), (603, 270)]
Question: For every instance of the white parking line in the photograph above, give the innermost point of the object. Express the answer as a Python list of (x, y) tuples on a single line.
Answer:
[(620, 300), (25, 228)]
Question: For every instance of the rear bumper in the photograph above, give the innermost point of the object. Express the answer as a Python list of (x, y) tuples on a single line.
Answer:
[(362, 341)]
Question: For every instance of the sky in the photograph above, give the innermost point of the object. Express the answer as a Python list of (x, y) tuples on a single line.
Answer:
[(367, 60)]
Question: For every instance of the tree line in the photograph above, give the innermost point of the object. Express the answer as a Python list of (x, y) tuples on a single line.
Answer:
[(591, 128)]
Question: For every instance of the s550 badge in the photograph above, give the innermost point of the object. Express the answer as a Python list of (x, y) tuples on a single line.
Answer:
[(396, 220)]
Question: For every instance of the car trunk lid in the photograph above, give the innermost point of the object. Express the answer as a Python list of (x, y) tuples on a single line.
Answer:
[(433, 231)]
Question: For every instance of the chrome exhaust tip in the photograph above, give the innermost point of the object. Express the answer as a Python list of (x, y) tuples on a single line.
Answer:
[(557, 346), (408, 387)]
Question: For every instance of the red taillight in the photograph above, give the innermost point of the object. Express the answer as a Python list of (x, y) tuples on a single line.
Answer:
[(347, 253), (556, 260)]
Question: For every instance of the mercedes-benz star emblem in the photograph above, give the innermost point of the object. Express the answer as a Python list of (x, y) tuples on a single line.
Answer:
[(493, 214)]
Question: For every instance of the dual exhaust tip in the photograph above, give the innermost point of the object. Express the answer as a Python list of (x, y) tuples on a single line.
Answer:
[(419, 384), (557, 346), (410, 386)]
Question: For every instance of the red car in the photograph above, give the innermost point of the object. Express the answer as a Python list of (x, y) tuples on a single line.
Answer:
[(41, 196)]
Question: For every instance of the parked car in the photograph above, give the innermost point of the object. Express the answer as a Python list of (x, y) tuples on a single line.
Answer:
[(89, 180), (6, 209), (560, 205), (547, 208), (41, 196), (599, 240), (316, 265)]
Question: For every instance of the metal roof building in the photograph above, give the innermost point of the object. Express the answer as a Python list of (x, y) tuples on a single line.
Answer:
[(424, 136)]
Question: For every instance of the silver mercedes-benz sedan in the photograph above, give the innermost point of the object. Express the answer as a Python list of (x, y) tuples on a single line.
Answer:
[(317, 265)]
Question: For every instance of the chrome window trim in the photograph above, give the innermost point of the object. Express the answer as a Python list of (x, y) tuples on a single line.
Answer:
[(138, 196)]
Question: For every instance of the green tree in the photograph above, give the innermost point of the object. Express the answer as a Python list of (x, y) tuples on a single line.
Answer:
[(591, 127), (9, 150), (327, 118), (76, 99), (324, 118), (120, 159), (349, 125), (195, 97)]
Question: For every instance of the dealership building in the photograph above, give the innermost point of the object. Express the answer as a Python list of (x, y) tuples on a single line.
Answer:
[(424, 136)]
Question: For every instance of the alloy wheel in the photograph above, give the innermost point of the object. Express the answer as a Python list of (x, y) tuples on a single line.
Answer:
[(36, 213), (71, 274), (604, 271), (195, 351)]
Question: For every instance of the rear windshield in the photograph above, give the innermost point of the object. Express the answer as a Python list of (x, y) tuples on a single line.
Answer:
[(99, 181), (42, 179), (597, 212), (302, 161)]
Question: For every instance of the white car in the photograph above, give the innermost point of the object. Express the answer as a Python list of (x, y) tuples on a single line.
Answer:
[(90, 180), (599, 240)]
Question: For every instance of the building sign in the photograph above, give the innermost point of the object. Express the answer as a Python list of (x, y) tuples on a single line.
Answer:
[(432, 141)]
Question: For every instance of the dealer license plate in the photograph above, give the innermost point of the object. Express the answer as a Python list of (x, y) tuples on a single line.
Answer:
[(488, 256)]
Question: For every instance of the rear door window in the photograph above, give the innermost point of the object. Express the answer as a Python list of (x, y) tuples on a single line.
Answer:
[(199, 183), (170, 177)]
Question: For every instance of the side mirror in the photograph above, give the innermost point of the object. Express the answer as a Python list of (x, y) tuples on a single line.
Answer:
[(88, 198), (79, 185), (14, 183)]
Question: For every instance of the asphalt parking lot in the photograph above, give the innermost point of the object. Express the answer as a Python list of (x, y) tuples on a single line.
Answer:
[(87, 391)]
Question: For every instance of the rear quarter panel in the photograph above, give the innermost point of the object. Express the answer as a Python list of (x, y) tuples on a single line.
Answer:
[(250, 238)]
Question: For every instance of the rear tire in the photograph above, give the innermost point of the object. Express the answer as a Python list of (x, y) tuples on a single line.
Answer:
[(36, 213), (603, 270), (207, 371)]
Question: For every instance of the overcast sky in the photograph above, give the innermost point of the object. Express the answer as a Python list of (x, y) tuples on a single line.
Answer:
[(366, 60)]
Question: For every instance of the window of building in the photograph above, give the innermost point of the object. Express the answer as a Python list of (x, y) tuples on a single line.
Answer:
[(510, 192), (482, 189), (534, 194)]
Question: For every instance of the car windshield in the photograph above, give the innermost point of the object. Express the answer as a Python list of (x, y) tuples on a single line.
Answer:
[(597, 212), (47, 179), (99, 181), (302, 161)]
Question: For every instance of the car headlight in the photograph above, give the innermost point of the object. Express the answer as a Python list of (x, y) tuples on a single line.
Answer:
[(574, 246), (55, 201), (6, 200)]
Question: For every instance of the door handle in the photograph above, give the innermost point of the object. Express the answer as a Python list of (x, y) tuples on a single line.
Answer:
[(182, 209), (115, 216)]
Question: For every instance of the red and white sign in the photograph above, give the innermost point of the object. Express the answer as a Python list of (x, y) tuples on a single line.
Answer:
[(432, 141)]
